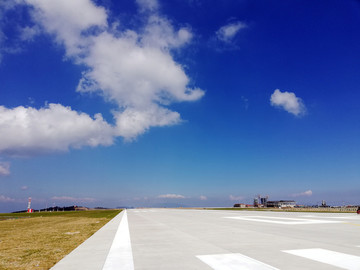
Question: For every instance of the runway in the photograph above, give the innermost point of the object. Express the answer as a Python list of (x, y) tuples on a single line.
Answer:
[(216, 239)]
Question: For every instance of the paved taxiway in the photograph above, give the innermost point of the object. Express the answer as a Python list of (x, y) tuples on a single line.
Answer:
[(213, 239)]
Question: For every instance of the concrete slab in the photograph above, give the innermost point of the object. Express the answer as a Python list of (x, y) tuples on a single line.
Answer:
[(172, 238), (207, 239)]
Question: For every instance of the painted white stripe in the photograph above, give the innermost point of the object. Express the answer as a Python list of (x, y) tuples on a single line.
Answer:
[(287, 221), (233, 261), (333, 258), (120, 255)]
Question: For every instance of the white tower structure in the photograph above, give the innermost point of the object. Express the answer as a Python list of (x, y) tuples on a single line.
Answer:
[(29, 210), (29, 204)]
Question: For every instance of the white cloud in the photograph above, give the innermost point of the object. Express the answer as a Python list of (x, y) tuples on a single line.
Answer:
[(171, 196), (4, 168), (67, 19), (307, 193), (6, 199), (227, 32), (161, 34), (53, 128), (203, 198), (288, 101), (72, 199), (133, 122), (236, 198), (24, 188), (134, 69), (138, 77)]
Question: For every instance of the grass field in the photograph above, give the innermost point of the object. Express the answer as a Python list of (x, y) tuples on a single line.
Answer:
[(39, 240)]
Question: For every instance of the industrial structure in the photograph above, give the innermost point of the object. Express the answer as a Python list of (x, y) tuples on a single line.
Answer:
[(281, 204), (29, 209), (262, 202)]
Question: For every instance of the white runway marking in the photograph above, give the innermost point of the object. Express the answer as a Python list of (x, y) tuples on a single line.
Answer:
[(234, 261), (333, 258), (287, 221), (120, 255)]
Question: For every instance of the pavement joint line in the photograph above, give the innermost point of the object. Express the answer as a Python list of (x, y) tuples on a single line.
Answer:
[(338, 259), (120, 256), (233, 261), (352, 218), (355, 224), (285, 221)]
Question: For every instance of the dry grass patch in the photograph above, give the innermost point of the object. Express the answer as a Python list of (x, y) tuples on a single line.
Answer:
[(42, 240)]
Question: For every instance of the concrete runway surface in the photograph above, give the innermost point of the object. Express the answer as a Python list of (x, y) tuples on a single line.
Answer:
[(222, 240)]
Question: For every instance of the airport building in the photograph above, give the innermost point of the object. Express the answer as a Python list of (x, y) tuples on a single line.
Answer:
[(281, 204), (263, 202)]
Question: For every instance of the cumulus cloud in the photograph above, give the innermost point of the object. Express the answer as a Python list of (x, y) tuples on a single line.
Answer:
[(67, 19), (288, 101), (132, 122), (135, 70), (6, 199), (161, 34), (203, 198), (72, 199), (4, 168), (132, 68), (307, 193), (171, 196), (52, 128), (236, 198), (227, 32)]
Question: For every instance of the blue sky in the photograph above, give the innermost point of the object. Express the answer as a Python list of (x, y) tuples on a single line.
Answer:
[(194, 103)]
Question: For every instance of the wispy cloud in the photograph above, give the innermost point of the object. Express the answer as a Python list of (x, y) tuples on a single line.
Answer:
[(288, 101), (10, 12), (307, 193), (203, 198), (72, 199), (171, 196), (236, 198), (4, 168), (227, 32), (28, 33), (148, 5), (24, 188), (6, 199), (245, 102)]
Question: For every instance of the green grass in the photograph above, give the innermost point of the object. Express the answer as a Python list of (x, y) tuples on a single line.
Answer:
[(86, 214), (39, 240)]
